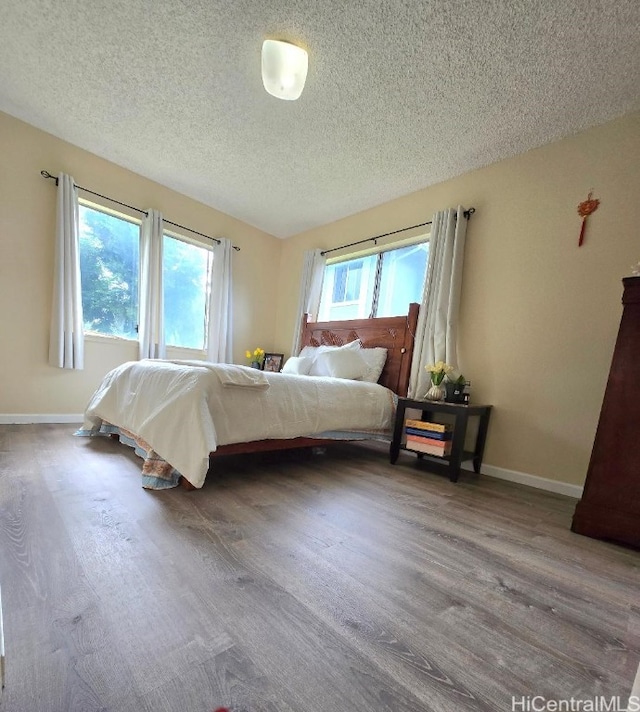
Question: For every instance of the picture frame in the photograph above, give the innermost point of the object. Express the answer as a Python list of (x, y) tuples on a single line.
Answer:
[(273, 362)]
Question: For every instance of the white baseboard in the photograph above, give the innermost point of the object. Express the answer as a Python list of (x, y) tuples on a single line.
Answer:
[(543, 483), (23, 418)]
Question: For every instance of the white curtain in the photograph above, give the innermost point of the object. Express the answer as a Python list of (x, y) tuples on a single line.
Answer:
[(220, 334), (437, 329), (151, 326), (66, 340), (310, 293)]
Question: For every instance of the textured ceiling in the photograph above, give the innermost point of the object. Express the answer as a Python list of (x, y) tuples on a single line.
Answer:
[(400, 94)]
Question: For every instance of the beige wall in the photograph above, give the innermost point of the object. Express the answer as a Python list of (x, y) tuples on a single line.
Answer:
[(27, 223), (539, 315)]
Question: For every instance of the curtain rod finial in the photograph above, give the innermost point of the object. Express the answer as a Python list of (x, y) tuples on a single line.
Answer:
[(46, 174)]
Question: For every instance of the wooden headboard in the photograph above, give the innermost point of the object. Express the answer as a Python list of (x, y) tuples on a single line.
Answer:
[(394, 333)]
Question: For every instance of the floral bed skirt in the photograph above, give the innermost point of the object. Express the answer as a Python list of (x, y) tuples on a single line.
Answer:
[(157, 474)]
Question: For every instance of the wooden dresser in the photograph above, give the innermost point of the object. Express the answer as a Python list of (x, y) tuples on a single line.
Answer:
[(610, 504)]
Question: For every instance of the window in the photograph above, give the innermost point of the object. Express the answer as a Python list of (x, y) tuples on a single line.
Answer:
[(110, 268), (185, 283), (402, 277), (347, 288), (346, 282), (381, 284), (109, 265)]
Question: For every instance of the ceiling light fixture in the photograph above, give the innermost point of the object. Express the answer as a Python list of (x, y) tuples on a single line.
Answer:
[(284, 69)]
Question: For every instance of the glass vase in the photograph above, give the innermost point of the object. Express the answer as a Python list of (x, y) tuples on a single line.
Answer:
[(436, 392)]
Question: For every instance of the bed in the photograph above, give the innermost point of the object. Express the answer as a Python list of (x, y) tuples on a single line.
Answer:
[(181, 415)]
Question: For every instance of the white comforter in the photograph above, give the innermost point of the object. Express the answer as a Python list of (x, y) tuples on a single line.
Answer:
[(185, 409)]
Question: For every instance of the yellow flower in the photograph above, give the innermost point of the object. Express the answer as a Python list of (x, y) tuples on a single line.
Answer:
[(438, 371), (255, 355)]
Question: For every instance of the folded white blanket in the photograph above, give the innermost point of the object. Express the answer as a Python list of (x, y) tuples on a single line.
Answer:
[(241, 376), (231, 375)]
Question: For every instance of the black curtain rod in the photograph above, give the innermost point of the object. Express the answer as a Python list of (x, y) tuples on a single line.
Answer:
[(46, 174), (467, 214)]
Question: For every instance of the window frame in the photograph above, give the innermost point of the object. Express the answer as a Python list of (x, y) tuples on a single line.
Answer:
[(173, 234), (209, 248), (379, 251), (112, 212)]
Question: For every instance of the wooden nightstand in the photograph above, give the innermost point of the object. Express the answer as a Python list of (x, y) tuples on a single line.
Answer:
[(449, 465)]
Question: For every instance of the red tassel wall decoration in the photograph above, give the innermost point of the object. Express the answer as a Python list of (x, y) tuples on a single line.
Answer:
[(581, 238), (588, 206)]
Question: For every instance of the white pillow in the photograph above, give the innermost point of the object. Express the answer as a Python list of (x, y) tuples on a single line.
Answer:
[(340, 363), (313, 351), (299, 365), (316, 351), (375, 360), (309, 352)]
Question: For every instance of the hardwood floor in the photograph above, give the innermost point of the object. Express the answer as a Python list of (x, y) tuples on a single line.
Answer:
[(292, 584)]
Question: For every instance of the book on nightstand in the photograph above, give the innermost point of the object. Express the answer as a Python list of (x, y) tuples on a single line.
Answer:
[(434, 442), (429, 446), (426, 425), (432, 434)]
